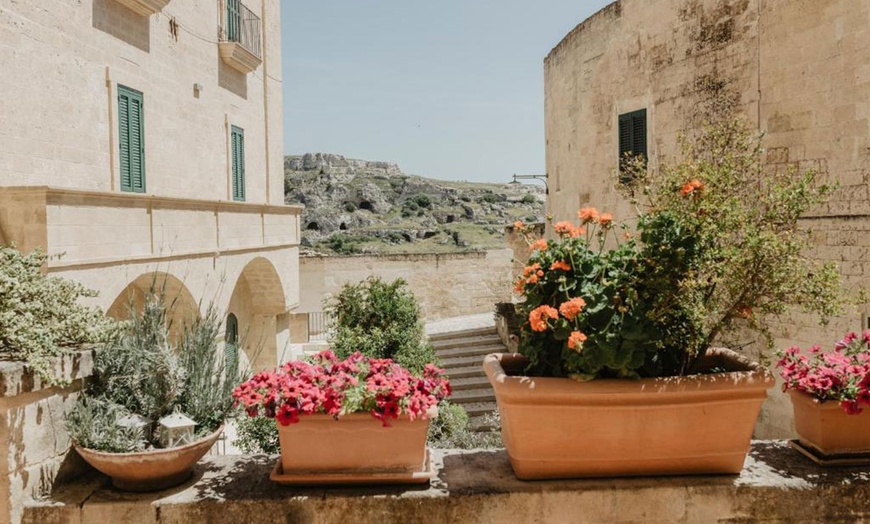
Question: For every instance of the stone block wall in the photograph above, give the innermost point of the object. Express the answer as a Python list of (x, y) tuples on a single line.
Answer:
[(34, 444), (801, 69), (446, 285)]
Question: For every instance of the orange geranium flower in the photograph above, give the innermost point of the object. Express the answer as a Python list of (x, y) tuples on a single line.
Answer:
[(576, 340), (691, 186), (531, 270), (539, 316), (520, 286), (560, 264), (588, 214), (564, 228), (605, 220), (519, 225), (538, 245), (572, 308)]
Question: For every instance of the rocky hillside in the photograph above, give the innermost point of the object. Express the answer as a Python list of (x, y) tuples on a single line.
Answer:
[(359, 206)]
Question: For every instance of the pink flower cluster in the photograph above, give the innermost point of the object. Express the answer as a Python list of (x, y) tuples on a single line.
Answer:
[(336, 387), (842, 374)]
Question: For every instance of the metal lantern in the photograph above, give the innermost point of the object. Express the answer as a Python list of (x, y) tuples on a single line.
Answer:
[(138, 422), (175, 430)]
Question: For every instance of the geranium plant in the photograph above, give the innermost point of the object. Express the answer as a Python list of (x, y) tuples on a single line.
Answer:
[(839, 375), (716, 251), (330, 386)]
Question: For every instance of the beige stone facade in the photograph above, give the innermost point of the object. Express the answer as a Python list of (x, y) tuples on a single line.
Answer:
[(201, 74), (207, 72), (802, 69)]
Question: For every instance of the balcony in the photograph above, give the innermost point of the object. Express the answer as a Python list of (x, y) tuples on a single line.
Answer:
[(239, 36), (97, 229), (144, 7)]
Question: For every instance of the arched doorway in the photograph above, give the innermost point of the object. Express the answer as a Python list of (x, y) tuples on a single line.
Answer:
[(180, 304), (256, 303), (231, 339)]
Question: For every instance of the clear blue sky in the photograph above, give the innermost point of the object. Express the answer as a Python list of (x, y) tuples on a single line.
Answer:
[(449, 89)]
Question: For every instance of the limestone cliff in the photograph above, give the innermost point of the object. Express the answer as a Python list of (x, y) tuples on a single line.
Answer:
[(359, 206)]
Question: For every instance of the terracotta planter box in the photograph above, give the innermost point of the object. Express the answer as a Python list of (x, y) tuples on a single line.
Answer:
[(561, 428), (825, 427), (355, 443), (150, 470)]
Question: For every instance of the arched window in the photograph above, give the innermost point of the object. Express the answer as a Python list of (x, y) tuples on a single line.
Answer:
[(231, 343)]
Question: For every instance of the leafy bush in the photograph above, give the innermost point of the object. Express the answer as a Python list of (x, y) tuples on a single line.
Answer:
[(40, 315), (380, 320), (529, 199), (422, 201), (452, 430), (350, 207), (94, 425), (257, 435), (491, 198)]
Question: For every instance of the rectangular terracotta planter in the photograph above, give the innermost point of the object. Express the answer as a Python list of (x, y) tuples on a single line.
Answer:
[(827, 428), (562, 428), (354, 443)]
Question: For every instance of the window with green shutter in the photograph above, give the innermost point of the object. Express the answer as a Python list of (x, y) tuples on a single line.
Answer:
[(237, 144), (131, 140), (632, 136)]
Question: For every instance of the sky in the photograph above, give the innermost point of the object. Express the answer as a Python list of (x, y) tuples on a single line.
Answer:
[(448, 89)]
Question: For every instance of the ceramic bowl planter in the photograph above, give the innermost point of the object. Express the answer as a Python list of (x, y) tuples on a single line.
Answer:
[(150, 470), (355, 449), (826, 428), (562, 428)]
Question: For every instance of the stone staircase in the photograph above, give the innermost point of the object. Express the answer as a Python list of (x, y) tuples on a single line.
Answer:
[(461, 354)]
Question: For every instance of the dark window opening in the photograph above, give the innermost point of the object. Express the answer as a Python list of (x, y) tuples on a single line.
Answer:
[(343, 226), (365, 205), (632, 139), (313, 226)]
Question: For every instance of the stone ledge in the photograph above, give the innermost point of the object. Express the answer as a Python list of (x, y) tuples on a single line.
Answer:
[(17, 378), (777, 484)]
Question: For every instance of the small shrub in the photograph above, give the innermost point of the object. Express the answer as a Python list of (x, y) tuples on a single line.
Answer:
[(491, 198), (423, 201), (40, 315), (350, 207), (94, 425), (529, 199), (452, 430), (257, 435), (380, 320)]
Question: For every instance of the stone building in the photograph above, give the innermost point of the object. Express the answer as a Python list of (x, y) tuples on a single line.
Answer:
[(143, 142), (802, 70)]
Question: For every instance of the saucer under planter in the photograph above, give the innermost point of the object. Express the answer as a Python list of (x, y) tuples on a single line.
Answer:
[(563, 428), (355, 449), (150, 470), (827, 429)]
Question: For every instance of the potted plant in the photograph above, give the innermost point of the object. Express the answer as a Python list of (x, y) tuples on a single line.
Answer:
[(619, 372), (829, 390), (155, 407), (360, 419)]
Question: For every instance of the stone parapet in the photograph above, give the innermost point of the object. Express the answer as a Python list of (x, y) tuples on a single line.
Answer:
[(777, 484)]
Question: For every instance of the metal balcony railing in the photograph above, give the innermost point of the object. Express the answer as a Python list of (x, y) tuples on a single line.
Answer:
[(239, 24)]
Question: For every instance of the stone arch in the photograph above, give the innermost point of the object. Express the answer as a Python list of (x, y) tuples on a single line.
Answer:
[(181, 305), (256, 303)]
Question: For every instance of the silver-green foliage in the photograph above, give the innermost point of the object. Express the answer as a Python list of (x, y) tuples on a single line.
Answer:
[(40, 315), (452, 429), (93, 423)]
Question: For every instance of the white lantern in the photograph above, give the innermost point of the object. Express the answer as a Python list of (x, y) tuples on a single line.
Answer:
[(138, 422), (175, 430)]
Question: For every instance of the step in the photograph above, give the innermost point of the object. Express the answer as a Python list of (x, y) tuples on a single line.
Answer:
[(470, 351), (458, 372), (461, 384), (473, 396), (466, 342), (477, 332), (461, 362), (477, 409)]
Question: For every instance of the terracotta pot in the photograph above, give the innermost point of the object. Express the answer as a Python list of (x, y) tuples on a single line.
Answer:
[(355, 442), (562, 428), (150, 470), (827, 428)]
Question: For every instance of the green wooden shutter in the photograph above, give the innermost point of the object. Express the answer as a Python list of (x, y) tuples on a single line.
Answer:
[(632, 136), (231, 346), (131, 140), (233, 20), (237, 146)]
